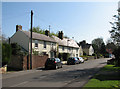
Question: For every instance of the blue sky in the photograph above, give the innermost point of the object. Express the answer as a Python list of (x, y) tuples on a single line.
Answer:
[(81, 20)]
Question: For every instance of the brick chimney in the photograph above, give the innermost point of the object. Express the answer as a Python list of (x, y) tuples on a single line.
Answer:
[(60, 35), (47, 33), (18, 27)]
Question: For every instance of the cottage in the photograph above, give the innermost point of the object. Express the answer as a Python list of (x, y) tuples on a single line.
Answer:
[(43, 44), (67, 45), (87, 48)]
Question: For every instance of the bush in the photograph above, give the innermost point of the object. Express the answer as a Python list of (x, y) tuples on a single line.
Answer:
[(64, 56), (84, 53), (17, 49), (6, 53), (117, 56)]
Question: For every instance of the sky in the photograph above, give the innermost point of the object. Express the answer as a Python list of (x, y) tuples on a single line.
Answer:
[(81, 20)]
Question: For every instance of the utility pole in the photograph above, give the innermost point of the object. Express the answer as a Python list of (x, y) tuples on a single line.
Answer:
[(49, 28), (31, 40)]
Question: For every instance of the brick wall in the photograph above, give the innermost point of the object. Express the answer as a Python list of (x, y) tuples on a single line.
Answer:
[(38, 61), (16, 63), (23, 62)]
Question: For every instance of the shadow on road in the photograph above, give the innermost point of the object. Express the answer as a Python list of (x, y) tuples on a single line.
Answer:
[(64, 76)]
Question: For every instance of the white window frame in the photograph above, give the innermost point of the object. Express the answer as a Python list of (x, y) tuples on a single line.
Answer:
[(36, 42)]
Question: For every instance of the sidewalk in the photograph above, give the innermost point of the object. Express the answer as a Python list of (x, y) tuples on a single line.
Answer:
[(18, 73)]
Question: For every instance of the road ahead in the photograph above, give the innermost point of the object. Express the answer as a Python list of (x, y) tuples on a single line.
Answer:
[(68, 76)]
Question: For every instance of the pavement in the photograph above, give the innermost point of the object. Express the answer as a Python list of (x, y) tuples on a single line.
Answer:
[(68, 76)]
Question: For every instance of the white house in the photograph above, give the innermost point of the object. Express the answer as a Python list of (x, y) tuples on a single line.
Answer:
[(88, 49), (67, 45), (41, 43)]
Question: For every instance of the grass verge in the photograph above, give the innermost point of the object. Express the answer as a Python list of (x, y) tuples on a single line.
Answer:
[(107, 77)]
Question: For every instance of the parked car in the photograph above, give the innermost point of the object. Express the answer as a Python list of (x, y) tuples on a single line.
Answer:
[(81, 59), (72, 60), (53, 63)]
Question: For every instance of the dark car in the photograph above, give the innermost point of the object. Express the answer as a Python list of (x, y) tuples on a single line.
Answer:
[(53, 63), (72, 61)]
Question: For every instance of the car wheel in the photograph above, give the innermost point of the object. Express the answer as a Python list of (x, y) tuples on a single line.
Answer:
[(56, 67)]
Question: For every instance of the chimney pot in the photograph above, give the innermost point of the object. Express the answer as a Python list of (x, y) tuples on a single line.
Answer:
[(60, 35), (18, 27), (47, 33)]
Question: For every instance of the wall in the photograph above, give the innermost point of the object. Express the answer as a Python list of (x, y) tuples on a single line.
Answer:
[(80, 51), (86, 51), (38, 61), (16, 63), (23, 62), (91, 50), (41, 47), (20, 38), (71, 50)]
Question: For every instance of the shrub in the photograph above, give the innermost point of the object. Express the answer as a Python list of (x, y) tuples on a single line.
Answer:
[(64, 56), (117, 56), (6, 53)]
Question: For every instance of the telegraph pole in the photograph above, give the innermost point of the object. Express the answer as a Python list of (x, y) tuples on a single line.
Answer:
[(31, 40)]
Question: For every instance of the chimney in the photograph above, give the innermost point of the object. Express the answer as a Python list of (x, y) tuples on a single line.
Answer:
[(18, 27), (60, 35), (47, 33)]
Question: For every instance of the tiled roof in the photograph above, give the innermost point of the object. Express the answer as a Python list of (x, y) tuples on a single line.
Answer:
[(39, 36), (66, 42)]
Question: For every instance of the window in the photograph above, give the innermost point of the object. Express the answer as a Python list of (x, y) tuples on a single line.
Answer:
[(77, 50), (52, 45), (63, 48), (44, 44), (36, 43)]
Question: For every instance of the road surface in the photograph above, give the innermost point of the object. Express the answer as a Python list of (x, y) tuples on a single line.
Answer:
[(68, 76)]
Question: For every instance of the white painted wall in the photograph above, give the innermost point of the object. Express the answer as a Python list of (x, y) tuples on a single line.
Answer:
[(21, 39), (41, 47)]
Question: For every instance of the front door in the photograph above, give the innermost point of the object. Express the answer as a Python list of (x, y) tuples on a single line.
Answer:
[(52, 54)]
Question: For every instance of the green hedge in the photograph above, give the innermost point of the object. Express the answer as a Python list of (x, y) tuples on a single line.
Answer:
[(6, 53)]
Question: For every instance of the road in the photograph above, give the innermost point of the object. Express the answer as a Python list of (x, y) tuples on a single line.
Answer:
[(68, 76)]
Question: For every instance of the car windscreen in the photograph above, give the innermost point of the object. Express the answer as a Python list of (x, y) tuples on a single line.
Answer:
[(50, 59)]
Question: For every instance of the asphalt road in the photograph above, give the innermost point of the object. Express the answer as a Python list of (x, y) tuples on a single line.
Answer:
[(68, 76)]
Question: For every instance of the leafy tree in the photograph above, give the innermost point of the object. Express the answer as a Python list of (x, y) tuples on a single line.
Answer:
[(6, 53), (115, 35), (42, 31), (103, 49), (98, 45), (115, 32), (111, 46), (17, 49)]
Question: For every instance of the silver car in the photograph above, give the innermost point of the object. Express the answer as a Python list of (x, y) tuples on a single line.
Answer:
[(81, 59)]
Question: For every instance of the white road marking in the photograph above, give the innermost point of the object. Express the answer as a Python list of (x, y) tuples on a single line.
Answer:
[(19, 84)]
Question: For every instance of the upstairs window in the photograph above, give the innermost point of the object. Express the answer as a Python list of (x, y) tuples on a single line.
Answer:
[(36, 43), (63, 48), (44, 44)]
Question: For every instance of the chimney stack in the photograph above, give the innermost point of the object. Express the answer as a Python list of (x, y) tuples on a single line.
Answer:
[(47, 33), (18, 27), (60, 35)]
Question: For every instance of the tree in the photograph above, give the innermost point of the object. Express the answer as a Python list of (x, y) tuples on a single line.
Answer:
[(42, 31), (98, 45), (6, 53), (115, 32), (111, 46), (115, 35)]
